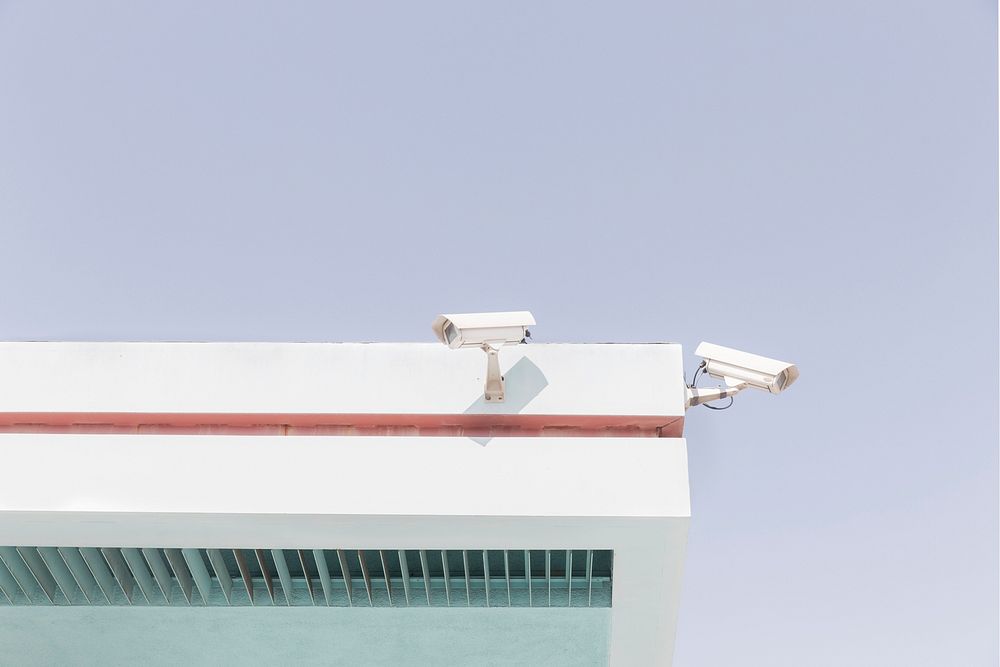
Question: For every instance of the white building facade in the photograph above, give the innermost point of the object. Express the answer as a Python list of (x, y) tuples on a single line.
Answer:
[(340, 504)]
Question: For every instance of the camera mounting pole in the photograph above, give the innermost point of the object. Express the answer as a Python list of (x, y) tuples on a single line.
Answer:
[(696, 396), (494, 380)]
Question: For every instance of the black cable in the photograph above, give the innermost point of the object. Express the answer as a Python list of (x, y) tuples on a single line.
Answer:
[(725, 407), (694, 378)]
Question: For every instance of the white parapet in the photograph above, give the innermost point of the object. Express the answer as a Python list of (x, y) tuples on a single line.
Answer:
[(344, 384)]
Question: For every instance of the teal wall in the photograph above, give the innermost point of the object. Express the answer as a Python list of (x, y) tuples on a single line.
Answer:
[(302, 636)]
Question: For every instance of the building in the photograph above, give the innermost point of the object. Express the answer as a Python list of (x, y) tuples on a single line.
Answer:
[(340, 504)]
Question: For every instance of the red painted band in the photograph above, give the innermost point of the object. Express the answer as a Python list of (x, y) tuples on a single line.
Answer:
[(342, 424)]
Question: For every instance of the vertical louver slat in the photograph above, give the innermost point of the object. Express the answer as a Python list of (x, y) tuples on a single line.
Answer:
[(222, 573), (486, 574), (506, 576), (346, 574), (161, 574), (468, 578), (446, 572), (284, 576), (386, 574), (611, 572), (244, 567), (404, 568), (181, 574), (569, 578), (141, 573), (123, 577), (306, 576), (202, 579), (265, 573), (82, 575), (548, 576), (366, 576), (100, 571), (6, 578), (323, 571), (8, 584), (590, 577), (527, 574), (38, 570), (426, 571)]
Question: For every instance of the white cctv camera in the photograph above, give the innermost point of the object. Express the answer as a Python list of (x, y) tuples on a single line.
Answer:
[(489, 331), (478, 329), (740, 370)]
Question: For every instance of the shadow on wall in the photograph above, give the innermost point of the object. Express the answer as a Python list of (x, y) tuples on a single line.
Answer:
[(523, 382)]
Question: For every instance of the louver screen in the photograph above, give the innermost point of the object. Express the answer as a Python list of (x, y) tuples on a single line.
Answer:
[(305, 577)]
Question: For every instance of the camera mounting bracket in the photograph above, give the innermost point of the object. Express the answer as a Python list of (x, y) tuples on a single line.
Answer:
[(494, 389)]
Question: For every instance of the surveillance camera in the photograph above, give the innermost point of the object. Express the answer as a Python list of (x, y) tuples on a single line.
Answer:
[(736, 367), (739, 370), (488, 331), (479, 329)]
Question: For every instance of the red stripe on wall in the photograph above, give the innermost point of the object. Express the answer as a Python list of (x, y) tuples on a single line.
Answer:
[(477, 425)]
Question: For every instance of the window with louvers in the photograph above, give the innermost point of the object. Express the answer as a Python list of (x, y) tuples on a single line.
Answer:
[(305, 577)]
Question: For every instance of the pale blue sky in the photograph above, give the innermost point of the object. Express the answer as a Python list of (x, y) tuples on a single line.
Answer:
[(812, 181)]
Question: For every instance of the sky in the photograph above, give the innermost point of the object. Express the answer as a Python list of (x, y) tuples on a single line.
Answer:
[(815, 182)]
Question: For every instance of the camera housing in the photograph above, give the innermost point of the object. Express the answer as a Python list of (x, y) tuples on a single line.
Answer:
[(479, 329), (736, 367)]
